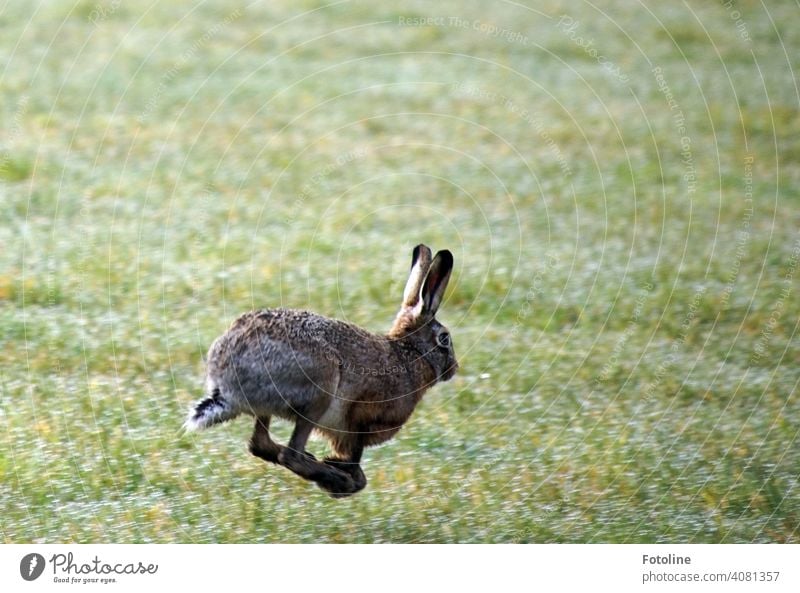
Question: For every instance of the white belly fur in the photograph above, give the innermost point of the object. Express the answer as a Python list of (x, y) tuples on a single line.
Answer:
[(335, 417)]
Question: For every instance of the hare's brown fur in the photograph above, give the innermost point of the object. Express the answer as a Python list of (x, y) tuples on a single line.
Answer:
[(355, 388)]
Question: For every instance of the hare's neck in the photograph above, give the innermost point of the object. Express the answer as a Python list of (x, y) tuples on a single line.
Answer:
[(418, 365)]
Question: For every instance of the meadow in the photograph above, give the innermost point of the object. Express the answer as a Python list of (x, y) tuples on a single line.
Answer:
[(618, 182)]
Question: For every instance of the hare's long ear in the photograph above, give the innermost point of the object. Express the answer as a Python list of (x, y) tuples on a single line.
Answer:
[(420, 262), (436, 282)]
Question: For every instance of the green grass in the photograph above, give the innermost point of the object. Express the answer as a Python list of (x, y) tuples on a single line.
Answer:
[(628, 337)]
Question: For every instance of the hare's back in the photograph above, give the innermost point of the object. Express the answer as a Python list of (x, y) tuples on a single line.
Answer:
[(271, 336), (272, 359)]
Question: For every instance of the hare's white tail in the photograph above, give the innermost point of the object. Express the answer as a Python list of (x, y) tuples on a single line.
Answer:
[(209, 411)]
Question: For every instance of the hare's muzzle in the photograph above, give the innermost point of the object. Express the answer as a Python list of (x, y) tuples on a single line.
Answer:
[(450, 372)]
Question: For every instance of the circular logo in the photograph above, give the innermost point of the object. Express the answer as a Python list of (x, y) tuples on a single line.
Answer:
[(31, 567)]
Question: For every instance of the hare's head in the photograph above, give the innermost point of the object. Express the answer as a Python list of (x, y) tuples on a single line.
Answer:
[(416, 322)]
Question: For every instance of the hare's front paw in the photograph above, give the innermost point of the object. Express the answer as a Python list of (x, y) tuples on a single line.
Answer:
[(351, 468), (337, 484)]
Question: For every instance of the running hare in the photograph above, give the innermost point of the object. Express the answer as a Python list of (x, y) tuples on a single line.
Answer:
[(355, 388)]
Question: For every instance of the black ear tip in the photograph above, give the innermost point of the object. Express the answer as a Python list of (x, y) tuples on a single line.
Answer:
[(415, 255), (446, 256), (417, 252)]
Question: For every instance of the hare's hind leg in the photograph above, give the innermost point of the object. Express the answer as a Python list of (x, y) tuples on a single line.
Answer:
[(347, 458), (295, 458), (261, 445)]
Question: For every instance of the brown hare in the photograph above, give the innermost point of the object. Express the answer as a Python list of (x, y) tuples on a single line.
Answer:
[(355, 388)]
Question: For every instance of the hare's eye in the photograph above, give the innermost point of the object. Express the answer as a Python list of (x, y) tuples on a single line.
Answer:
[(443, 340)]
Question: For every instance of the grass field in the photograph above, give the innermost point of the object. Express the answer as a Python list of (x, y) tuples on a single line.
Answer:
[(619, 186)]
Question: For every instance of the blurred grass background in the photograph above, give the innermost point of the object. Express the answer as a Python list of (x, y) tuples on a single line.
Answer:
[(624, 304)]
